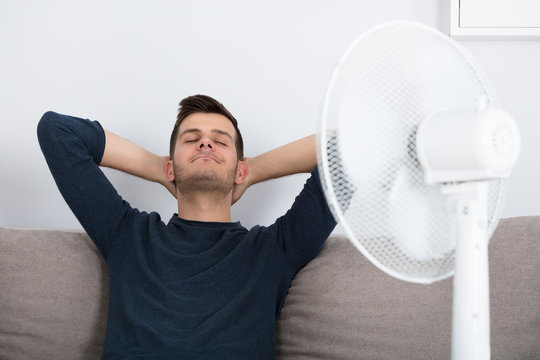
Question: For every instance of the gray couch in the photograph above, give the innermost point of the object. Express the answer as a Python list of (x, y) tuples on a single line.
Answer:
[(53, 301)]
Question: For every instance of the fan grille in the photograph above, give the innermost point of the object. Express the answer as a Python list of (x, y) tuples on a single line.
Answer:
[(390, 79)]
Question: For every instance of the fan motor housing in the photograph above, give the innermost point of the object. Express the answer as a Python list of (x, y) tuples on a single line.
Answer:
[(455, 146)]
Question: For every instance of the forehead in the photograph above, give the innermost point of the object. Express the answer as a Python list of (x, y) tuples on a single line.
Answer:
[(207, 122)]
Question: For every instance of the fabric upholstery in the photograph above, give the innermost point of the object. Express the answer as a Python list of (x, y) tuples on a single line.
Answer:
[(53, 295)]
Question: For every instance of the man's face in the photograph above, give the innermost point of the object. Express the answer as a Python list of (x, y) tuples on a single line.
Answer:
[(205, 158)]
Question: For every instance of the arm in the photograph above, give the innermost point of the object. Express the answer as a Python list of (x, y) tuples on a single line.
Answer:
[(296, 157), (73, 148), (305, 227), (299, 156), (123, 155)]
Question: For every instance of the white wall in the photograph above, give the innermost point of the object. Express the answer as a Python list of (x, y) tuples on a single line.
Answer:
[(128, 63)]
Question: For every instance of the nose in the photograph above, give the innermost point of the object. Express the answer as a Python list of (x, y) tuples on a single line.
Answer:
[(205, 144)]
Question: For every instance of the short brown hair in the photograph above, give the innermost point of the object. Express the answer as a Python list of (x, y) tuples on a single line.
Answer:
[(204, 104)]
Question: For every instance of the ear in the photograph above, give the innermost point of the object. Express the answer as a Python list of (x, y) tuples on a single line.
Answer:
[(169, 171), (242, 172)]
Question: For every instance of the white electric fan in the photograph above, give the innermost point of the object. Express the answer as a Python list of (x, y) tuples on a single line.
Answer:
[(413, 155)]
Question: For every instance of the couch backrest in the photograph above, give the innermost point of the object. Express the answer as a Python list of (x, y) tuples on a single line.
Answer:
[(54, 295)]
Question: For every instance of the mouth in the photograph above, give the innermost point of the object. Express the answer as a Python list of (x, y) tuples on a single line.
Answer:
[(205, 157)]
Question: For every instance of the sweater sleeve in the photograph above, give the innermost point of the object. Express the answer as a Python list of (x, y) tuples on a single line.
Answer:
[(306, 226), (73, 149)]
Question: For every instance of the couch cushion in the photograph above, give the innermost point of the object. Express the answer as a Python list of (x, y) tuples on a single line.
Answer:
[(340, 306), (53, 297)]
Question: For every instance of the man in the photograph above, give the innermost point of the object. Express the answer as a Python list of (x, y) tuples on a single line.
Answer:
[(199, 286)]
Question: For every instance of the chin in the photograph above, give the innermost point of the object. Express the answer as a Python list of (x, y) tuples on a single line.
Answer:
[(203, 178)]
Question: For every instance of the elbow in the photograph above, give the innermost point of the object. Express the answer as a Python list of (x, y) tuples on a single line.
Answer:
[(47, 120), (45, 126)]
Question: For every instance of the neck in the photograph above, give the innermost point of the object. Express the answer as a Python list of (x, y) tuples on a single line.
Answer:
[(205, 207)]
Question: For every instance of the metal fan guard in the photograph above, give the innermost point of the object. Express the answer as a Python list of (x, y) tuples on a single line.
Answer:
[(388, 80)]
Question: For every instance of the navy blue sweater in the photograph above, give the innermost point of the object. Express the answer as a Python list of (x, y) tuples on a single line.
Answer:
[(182, 289)]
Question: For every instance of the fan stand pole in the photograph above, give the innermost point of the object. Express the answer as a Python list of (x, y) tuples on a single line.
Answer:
[(470, 323)]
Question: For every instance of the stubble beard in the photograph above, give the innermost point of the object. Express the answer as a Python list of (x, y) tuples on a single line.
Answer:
[(203, 183)]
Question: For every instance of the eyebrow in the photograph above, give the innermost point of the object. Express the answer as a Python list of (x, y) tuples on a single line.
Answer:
[(215, 131)]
